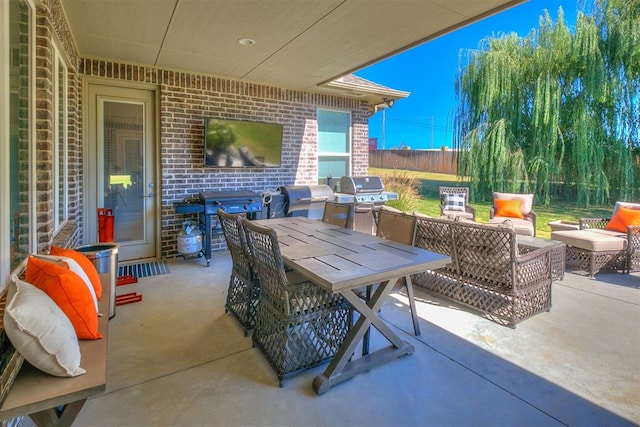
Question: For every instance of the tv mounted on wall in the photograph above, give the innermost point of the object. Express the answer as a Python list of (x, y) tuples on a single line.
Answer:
[(241, 144)]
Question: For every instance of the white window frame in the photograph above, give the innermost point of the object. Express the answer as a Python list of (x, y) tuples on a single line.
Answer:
[(60, 132), (5, 143), (348, 155)]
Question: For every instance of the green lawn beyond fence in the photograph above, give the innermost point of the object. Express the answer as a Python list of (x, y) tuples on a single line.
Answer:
[(429, 202)]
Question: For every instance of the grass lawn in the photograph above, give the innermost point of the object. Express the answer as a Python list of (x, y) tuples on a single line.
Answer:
[(430, 203)]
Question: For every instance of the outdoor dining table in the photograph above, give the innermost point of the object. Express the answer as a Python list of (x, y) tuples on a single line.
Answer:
[(342, 260)]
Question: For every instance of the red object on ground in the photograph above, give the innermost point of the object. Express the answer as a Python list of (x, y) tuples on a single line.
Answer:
[(105, 225), (129, 298), (126, 280)]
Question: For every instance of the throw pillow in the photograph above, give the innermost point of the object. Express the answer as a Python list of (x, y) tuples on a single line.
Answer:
[(41, 332), (623, 218), (72, 265), (527, 200), (67, 290), (508, 208), (86, 265), (454, 202)]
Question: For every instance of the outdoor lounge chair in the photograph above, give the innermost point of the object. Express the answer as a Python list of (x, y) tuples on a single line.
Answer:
[(455, 201), (518, 208)]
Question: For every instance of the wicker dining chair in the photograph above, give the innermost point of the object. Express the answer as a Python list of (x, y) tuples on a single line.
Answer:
[(455, 201), (337, 213), (400, 227), (299, 325), (244, 287)]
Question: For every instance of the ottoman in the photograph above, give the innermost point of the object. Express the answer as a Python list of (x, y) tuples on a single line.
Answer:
[(593, 249)]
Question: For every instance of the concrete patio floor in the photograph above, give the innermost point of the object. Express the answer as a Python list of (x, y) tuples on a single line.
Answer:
[(176, 358)]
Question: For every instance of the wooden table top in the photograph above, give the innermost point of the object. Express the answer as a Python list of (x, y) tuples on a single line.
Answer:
[(339, 258)]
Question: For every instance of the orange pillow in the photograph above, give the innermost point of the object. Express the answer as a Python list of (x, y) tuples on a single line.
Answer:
[(69, 292), (508, 208), (623, 218), (86, 265)]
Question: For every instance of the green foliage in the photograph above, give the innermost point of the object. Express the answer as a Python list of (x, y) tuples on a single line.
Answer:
[(407, 187), (556, 112)]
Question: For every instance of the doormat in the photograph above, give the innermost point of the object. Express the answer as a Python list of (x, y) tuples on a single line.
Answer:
[(144, 269)]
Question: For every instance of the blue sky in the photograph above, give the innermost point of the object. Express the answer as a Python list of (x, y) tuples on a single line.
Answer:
[(424, 119)]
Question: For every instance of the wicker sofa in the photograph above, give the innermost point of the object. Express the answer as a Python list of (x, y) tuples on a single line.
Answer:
[(489, 271), (593, 248)]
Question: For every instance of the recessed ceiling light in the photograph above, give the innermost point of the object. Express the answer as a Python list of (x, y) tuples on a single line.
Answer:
[(246, 42)]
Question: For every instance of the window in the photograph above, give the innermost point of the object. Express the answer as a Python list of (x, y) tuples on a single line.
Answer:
[(334, 144), (60, 155), (16, 135)]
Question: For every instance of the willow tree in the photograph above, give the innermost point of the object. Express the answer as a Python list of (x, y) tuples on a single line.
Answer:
[(555, 111)]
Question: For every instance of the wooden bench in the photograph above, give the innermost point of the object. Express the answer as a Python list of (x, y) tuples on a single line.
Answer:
[(41, 396)]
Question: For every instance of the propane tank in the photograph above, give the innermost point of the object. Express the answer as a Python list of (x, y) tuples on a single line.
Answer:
[(189, 239)]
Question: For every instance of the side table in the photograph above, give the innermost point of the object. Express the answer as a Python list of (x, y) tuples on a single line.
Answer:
[(558, 253)]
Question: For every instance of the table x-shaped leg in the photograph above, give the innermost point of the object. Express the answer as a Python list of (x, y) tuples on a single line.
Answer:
[(341, 367)]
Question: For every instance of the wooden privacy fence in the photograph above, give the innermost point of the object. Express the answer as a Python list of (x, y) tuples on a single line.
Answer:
[(436, 161)]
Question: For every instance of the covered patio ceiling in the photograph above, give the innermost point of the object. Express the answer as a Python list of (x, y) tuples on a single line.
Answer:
[(298, 44)]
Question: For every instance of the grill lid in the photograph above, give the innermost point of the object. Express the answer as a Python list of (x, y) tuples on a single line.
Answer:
[(304, 197), (361, 184), (218, 196)]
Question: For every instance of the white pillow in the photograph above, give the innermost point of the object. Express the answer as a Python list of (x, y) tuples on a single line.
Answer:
[(454, 202), (40, 331), (72, 265)]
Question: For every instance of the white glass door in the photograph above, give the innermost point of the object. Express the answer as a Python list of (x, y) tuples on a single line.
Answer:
[(125, 169)]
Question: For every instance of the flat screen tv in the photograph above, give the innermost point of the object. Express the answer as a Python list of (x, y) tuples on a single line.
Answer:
[(242, 144)]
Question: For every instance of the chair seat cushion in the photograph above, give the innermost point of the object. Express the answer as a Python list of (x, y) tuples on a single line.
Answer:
[(463, 214), (521, 226), (591, 240)]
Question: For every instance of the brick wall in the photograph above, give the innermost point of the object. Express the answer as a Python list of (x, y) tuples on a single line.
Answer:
[(186, 99), (51, 25)]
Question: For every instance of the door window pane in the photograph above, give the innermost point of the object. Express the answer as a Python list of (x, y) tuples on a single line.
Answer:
[(123, 168)]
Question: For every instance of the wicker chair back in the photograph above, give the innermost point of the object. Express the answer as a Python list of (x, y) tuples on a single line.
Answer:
[(337, 213), (401, 228), (299, 325), (398, 227), (244, 287)]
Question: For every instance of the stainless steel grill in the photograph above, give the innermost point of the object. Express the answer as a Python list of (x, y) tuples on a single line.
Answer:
[(365, 192), (306, 200)]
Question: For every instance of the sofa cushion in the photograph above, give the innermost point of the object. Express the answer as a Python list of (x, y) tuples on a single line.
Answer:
[(40, 331), (527, 200), (508, 208), (627, 205), (623, 218), (86, 264), (454, 202), (67, 290), (591, 240), (467, 215)]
